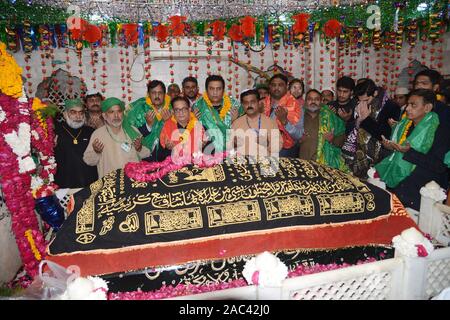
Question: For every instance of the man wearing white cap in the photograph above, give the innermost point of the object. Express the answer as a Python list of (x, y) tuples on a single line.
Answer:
[(401, 98), (92, 101)]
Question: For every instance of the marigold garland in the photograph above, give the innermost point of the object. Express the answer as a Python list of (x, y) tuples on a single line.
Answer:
[(226, 104), (29, 236), (191, 124), (405, 132), (166, 106), (10, 75)]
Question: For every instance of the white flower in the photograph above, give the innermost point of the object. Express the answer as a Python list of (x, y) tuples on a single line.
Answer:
[(26, 164), (2, 115), (36, 182), (90, 288), (265, 270), (406, 243)]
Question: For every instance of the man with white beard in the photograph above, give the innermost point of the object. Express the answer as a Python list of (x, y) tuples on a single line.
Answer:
[(72, 138), (110, 147)]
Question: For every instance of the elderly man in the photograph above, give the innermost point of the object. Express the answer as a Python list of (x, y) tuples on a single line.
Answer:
[(110, 147), (173, 91), (72, 138)]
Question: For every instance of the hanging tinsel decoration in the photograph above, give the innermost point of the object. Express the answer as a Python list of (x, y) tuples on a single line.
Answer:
[(277, 31), (177, 26), (411, 36)]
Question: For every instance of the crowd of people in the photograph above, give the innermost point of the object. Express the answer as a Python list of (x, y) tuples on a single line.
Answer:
[(352, 128)]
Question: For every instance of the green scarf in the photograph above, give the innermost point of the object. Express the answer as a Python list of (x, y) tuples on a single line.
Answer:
[(393, 169), (447, 159), (210, 119), (327, 153), (135, 117)]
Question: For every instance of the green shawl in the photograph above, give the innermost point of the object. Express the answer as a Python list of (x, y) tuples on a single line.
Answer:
[(135, 117), (393, 169), (327, 153), (215, 127)]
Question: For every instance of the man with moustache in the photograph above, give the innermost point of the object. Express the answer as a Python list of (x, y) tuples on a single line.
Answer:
[(146, 117), (283, 107), (255, 134), (72, 138), (190, 89), (324, 133), (110, 147), (94, 117)]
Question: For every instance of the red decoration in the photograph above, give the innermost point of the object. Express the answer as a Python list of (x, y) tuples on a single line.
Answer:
[(177, 25), (77, 27), (248, 26), (301, 23), (332, 28), (235, 33), (218, 29), (130, 31), (162, 32), (92, 33)]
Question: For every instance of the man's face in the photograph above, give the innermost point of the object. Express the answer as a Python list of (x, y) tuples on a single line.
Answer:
[(190, 90), (365, 98), (400, 99), (75, 117), (327, 96), (296, 90), (114, 116), (157, 96), (173, 91), (263, 93), (181, 111), (215, 92), (416, 108), (93, 103), (250, 104), (278, 88), (343, 95), (423, 82), (313, 101)]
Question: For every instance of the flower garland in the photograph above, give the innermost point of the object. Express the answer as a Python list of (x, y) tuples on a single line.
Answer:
[(226, 104), (191, 124), (405, 132), (16, 180), (158, 116), (138, 170), (182, 290), (43, 140)]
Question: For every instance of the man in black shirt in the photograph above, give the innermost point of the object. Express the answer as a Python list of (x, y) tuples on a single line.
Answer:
[(72, 138), (344, 105)]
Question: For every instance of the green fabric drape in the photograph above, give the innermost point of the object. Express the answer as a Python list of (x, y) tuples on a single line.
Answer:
[(393, 169)]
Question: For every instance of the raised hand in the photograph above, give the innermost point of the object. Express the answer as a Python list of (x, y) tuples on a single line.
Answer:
[(281, 114), (166, 114), (234, 114), (138, 144), (98, 146), (150, 117), (329, 136)]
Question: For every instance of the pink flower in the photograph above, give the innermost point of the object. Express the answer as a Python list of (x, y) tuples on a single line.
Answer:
[(421, 251)]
